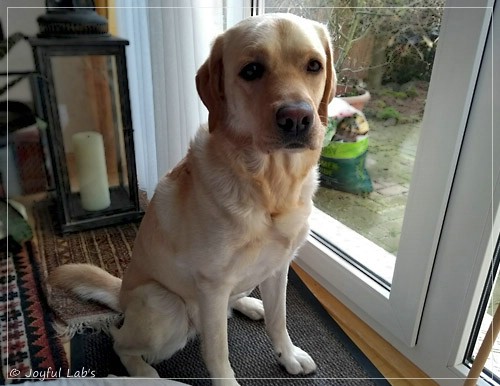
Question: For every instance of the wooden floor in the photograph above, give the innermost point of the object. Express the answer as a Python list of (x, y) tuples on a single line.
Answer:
[(398, 370)]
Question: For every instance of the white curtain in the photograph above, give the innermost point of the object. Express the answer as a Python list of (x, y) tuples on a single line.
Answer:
[(133, 25), (169, 40)]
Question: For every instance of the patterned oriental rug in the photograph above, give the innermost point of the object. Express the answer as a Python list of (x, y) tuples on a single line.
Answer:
[(30, 348), (109, 248), (339, 360)]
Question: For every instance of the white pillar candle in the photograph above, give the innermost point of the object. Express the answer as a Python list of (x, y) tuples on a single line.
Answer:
[(90, 159)]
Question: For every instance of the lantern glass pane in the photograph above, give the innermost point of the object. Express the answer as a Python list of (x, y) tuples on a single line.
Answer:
[(89, 108)]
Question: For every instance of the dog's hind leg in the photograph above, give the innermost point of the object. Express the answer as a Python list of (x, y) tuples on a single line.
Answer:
[(155, 326)]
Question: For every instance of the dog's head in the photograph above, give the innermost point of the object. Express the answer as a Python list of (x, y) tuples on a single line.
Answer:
[(268, 81)]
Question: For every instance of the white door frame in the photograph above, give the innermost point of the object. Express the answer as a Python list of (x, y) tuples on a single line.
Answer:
[(446, 239)]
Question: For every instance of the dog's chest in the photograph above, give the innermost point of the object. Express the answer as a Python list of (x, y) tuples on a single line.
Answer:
[(282, 227), (278, 238)]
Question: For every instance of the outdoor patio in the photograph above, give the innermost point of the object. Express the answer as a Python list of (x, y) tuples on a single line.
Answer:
[(379, 215)]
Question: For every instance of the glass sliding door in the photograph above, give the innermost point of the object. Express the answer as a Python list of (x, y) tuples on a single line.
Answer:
[(375, 250), (389, 52)]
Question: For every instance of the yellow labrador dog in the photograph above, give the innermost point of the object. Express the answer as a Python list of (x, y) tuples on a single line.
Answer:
[(232, 214)]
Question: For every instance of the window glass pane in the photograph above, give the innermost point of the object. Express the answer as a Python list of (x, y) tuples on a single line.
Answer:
[(487, 309), (365, 177)]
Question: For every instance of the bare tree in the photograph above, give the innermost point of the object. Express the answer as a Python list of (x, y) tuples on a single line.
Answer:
[(394, 28)]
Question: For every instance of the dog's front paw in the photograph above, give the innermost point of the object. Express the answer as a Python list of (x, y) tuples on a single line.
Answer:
[(297, 361)]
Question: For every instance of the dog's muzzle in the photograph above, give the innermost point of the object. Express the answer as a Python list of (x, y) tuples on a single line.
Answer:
[(294, 121)]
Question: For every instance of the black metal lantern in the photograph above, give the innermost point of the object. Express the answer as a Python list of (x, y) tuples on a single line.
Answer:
[(84, 90)]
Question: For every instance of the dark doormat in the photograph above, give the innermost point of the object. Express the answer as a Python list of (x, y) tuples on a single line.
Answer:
[(339, 360)]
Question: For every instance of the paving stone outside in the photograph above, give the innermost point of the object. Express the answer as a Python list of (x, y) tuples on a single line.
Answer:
[(378, 216)]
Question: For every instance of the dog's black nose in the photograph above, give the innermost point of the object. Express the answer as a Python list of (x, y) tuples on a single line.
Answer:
[(295, 119)]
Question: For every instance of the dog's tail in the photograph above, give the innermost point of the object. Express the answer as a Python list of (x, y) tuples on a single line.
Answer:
[(88, 282)]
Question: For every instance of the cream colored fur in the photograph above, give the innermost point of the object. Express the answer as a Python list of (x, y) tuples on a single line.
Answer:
[(232, 214)]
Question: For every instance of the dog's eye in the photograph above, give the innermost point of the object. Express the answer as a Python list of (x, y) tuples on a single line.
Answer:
[(252, 71), (314, 66)]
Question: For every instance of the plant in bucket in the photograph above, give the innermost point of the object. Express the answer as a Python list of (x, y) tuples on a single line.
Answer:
[(343, 157)]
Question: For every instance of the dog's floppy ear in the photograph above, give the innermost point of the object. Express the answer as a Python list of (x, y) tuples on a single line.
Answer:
[(210, 84), (331, 77)]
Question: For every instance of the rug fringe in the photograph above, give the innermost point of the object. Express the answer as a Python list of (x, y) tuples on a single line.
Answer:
[(96, 325)]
